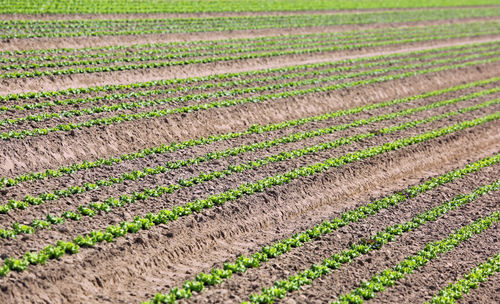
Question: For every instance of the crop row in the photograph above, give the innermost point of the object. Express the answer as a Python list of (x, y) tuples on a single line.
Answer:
[(480, 274), (45, 54), (367, 291), (239, 43), (294, 137), (431, 251), (228, 103), (158, 191), (114, 50), (170, 54), (246, 82), (165, 216), (65, 57), (250, 83), (272, 87), (194, 6), (160, 63), (222, 46), (233, 77), (276, 249), (256, 129), (112, 27), (109, 203), (234, 91)]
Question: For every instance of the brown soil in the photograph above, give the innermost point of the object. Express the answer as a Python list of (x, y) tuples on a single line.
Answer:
[(422, 285), (350, 276), (81, 177), (71, 229), (46, 123), (139, 265), (273, 212), (346, 277), (50, 83), (488, 291), (35, 154)]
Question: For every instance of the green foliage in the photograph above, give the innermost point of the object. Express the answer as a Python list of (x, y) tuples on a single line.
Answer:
[(165, 216), (432, 251), (377, 39), (197, 6), (292, 84), (111, 202), (471, 280), (228, 103), (113, 27)]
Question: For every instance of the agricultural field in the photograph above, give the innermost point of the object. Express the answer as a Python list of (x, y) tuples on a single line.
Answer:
[(220, 151)]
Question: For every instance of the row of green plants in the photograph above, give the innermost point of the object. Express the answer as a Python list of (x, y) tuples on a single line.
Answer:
[(389, 277), (293, 137), (168, 54), (130, 105), (226, 103), (293, 72), (165, 216), (218, 275), (339, 74), (41, 55), (112, 27), (281, 288), (158, 191), (108, 204), (193, 48), (194, 44), (113, 89), (174, 23), (243, 56), (480, 274), (255, 129), (211, 85), (196, 6)]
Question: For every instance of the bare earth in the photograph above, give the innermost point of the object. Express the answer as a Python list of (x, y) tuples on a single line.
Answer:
[(135, 267)]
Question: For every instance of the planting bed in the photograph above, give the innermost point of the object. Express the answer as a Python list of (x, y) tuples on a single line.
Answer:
[(319, 164)]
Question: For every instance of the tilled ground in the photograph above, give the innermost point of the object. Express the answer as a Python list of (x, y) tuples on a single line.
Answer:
[(140, 264), (58, 82), (72, 229)]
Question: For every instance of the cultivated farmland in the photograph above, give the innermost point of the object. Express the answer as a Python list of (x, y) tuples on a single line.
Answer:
[(238, 151)]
